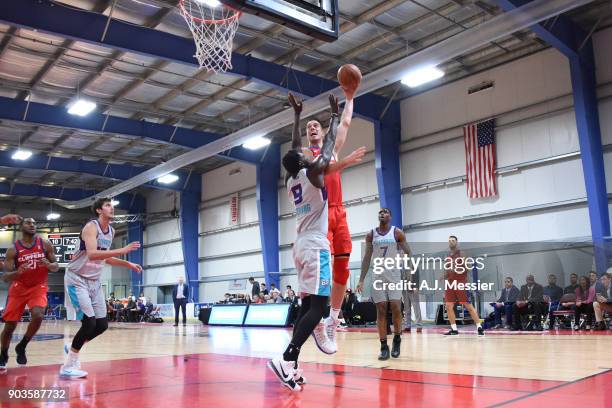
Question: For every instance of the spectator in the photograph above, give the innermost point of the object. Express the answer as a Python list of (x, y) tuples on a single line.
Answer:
[(137, 311), (264, 291), (276, 297), (295, 307), (254, 287), (552, 295), (595, 282), (291, 298), (506, 301), (142, 298), (529, 301), (131, 296), (573, 284), (267, 299), (348, 306), (273, 289), (226, 299), (256, 299), (585, 295), (111, 298), (287, 291), (118, 307), (129, 309), (603, 301)]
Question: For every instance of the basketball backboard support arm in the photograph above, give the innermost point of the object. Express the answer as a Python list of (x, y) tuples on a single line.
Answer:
[(316, 18)]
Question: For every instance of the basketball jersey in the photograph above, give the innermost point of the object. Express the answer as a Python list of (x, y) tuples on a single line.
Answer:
[(81, 264), (451, 275), (333, 182), (310, 204), (36, 272), (385, 246)]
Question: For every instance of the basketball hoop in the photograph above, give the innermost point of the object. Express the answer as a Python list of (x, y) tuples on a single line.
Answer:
[(213, 26)]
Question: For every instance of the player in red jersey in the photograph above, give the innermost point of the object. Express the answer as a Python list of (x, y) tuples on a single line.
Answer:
[(27, 266), (457, 273), (338, 231)]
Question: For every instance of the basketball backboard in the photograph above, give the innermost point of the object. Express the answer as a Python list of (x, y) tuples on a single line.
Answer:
[(316, 18)]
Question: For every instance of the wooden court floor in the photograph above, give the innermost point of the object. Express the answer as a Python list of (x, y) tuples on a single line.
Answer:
[(198, 366)]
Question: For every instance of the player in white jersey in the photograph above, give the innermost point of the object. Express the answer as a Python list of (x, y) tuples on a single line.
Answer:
[(385, 242), (83, 281), (305, 185)]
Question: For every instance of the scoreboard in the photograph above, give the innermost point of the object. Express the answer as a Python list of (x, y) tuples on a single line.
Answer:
[(64, 245)]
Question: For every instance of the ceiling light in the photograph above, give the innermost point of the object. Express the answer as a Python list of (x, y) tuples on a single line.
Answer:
[(53, 216), (2, 179), (81, 107), (256, 143), (168, 179), (422, 76), (114, 203), (21, 154)]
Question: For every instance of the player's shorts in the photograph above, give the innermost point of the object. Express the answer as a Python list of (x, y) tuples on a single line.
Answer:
[(86, 296), (338, 232), (455, 296), (19, 296), (312, 263), (383, 293)]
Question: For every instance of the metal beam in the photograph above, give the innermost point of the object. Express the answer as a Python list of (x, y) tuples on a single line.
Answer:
[(110, 171), (42, 114), (126, 201), (189, 219), (268, 173), (86, 26)]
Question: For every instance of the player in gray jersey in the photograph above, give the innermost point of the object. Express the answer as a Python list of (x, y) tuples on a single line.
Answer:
[(83, 281), (385, 242), (305, 185)]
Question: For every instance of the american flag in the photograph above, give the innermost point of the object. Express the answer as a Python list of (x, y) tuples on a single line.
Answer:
[(480, 159)]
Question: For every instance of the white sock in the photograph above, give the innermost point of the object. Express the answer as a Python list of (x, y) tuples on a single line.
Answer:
[(333, 313), (478, 326), (72, 357), (454, 326)]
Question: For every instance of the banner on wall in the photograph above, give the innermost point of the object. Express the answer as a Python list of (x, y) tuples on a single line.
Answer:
[(237, 284), (235, 209)]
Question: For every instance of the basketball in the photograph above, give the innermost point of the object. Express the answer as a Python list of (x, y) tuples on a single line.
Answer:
[(349, 77)]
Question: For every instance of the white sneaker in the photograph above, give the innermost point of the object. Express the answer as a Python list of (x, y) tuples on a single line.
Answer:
[(331, 328), (322, 341), (69, 370), (285, 371), (66, 351), (298, 376)]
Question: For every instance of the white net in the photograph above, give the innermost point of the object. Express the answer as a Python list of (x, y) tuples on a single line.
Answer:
[(213, 26)]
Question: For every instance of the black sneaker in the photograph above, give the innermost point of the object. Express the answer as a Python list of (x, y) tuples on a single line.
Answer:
[(395, 349), (21, 355), (384, 353), (480, 331), (3, 361), (451, 332)]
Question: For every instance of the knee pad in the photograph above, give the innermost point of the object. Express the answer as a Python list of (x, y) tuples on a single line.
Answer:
[(341, 271)]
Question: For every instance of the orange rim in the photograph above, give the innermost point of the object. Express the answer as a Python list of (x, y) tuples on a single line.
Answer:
[(237, 15)]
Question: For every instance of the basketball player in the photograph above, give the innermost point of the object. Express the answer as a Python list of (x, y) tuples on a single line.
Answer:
[(306, 188), (338, 231), (83, 280), (457, 273), (27, 264), (10, 219), (384, 242)]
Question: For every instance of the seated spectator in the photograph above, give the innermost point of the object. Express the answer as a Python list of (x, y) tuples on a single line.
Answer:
[(142, 298), (585, 295), (530, 300), (287, 291), (552, 296), (138, 311), (257, 299), (594, 281), (129, 309), (110, 311), (276, 297), (263, 290), (226, 299), (603, 301), (273, 289), (573, 284), (267, 299), (348, 306), (118, 307), (291, 298), (504, 304)]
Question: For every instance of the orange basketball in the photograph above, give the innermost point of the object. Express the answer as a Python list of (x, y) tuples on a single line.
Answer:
[(349, 77)]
